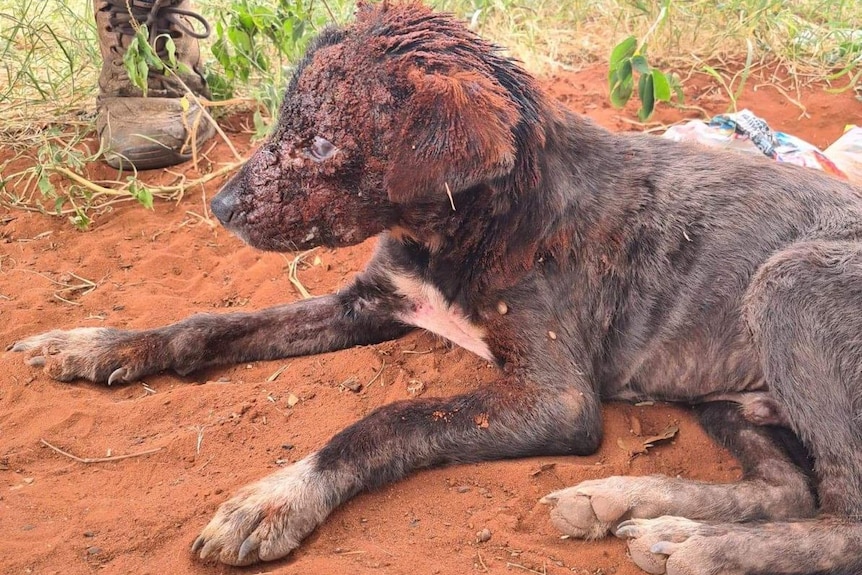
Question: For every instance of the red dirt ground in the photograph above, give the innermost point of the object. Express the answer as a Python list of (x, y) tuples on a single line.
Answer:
[(221, 429)]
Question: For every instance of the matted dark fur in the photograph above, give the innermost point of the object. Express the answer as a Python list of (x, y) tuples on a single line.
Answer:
[(587, 265)]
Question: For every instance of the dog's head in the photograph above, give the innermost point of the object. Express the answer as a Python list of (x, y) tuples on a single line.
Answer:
[(402, 107)]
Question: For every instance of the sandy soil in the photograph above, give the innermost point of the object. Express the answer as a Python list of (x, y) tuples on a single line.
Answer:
[(218, 430)]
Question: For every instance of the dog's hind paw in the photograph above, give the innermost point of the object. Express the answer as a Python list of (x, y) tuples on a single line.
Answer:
[(268, 519), (675, 546)]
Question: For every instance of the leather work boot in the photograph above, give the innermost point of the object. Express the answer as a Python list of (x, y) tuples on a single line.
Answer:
[(153, 131)]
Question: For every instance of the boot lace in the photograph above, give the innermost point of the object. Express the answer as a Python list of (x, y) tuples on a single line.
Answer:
[(160, 17)]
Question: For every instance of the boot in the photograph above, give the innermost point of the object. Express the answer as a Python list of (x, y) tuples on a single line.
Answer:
[(153, 131)]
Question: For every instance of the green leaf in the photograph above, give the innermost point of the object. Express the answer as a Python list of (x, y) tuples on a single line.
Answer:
[(622, 84), (130, 62), (246, 22), (661, 86), (80, 219), (143, 73), (676, 86), (641, 6), (171, 49), (220, 51), (623, 51), (219, 86), (151, 59), (143, 194), (646, 92), (639, 63), (45, 185), (298, 31), (261, 127)]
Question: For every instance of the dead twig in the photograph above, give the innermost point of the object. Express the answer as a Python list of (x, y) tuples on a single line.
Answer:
[(277, 372), (376, 375), (99, 459), (482, 562), (544, 570), (200, 432), (291, 273)]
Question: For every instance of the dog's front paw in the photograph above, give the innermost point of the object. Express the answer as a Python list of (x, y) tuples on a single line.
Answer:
[(103, 355), (268, 519)]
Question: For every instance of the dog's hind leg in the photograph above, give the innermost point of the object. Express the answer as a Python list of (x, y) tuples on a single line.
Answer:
[(678, 546), (772, 486), (804, 309), (268, 519)]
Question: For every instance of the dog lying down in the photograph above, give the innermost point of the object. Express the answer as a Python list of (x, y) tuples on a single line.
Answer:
[(586, 265)]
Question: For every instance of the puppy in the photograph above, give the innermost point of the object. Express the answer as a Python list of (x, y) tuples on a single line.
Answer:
[(586, 265)]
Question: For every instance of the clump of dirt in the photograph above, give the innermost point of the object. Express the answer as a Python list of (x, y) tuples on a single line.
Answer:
[(220, 429)]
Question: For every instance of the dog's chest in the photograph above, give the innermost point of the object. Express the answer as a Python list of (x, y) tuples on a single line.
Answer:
[(428, 309)]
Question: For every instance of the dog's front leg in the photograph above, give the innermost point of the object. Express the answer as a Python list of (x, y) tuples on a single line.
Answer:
[(361, 314), (268, 519)]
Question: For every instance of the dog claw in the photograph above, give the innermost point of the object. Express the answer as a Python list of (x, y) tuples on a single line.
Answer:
[(208, 549), (550, 499), (248, 548), (19, 346), (627, 530), (664, 547), (37, 361), (118, 376), (198, 544)]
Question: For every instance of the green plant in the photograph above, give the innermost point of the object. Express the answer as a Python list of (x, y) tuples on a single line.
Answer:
[(733, 95), (263, 40), (140, 58), (629, 57), (849, 50)]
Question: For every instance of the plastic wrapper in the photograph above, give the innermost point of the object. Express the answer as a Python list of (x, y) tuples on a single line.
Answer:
[(846, 153), (745, 132)]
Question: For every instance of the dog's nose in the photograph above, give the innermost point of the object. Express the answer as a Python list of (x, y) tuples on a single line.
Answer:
[(224, 204)]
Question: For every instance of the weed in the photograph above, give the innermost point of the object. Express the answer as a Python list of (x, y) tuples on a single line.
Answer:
[(140, 58), (629, 57), (256, 45)]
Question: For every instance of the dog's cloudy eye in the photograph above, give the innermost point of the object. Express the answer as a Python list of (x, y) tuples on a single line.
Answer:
[(321, 149)]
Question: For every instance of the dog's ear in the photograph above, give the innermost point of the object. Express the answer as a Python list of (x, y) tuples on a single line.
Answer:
[(456, 131)]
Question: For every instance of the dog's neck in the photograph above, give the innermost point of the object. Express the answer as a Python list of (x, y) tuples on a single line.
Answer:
[(500, 230)]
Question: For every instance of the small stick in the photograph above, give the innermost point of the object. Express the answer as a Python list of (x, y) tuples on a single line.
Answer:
[(544, 570), (449, 193), (294, 279), (98, 459), (414, 352), (482, 562), (373, 379), (277, 372)]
